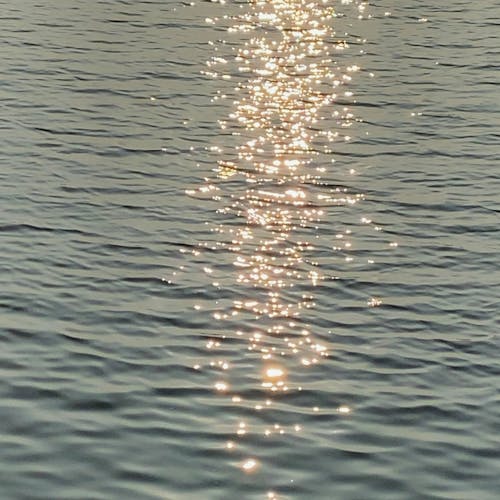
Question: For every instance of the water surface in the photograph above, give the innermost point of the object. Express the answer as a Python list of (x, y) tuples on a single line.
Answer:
[(138, 361)]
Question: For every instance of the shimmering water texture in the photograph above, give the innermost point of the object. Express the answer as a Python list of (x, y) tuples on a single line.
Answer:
[(272, 188), (317, 318)]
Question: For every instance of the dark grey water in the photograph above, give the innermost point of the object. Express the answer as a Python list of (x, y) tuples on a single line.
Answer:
[(266, 309)]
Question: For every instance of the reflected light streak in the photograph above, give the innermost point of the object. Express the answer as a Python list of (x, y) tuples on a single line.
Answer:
[(284, 122), (287, 89)]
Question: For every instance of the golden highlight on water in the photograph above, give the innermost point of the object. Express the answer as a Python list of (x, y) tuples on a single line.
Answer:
[(291, 106)]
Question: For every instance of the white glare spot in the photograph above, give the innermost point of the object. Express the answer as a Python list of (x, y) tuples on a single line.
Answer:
[(249, 465)]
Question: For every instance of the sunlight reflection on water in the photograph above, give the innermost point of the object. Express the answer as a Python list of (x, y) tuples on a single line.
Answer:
[(290, 108)]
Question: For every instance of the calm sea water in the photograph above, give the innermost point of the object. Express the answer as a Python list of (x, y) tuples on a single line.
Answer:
[(249, 250)]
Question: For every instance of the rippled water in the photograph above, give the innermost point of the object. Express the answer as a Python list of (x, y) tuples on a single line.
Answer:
[(249, 249)]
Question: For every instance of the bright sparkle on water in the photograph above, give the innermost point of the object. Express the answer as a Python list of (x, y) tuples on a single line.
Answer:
[(284, 122)]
